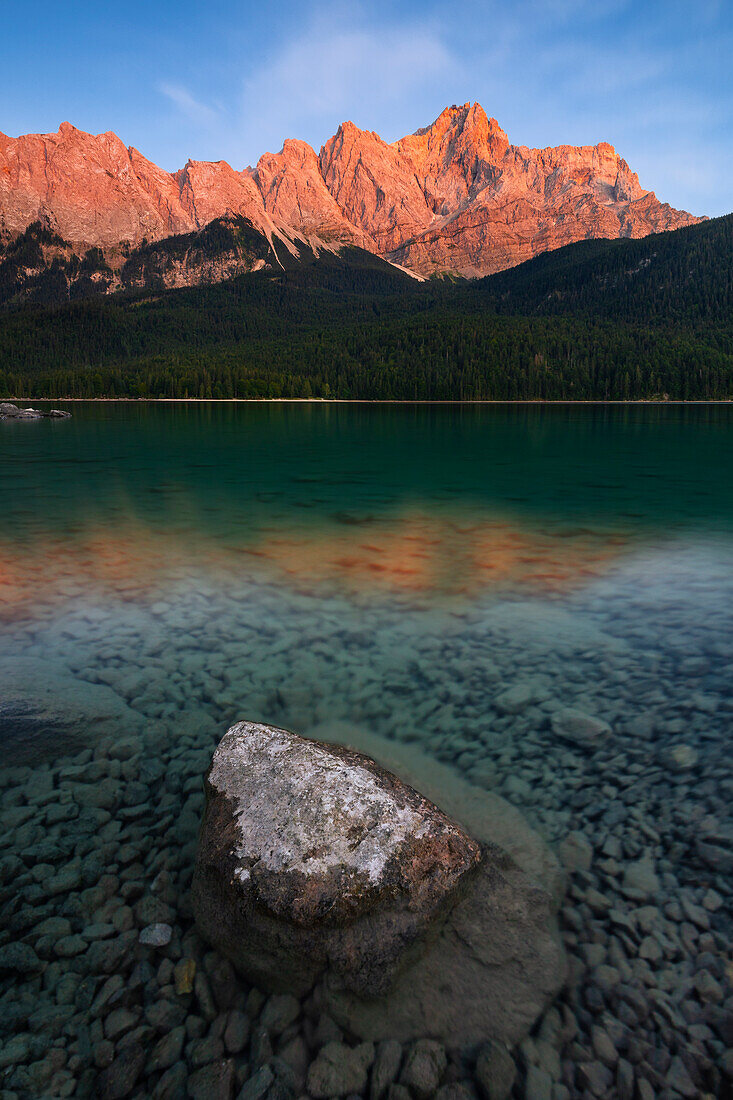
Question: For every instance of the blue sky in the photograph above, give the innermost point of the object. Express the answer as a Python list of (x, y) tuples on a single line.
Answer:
[(229, 80)]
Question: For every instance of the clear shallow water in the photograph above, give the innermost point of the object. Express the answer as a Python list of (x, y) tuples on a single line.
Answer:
[(165, 570)]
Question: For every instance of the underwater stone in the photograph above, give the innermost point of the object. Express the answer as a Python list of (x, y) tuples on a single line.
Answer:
[(340, 1070), (45, 710), (120, 1078), (385, 1069), (424, 1067), (155, 935), (641, 877), (680, 758), (576, 852), (495, 1072), (579, 728), (19, 958), (184, 976), (520, 696)]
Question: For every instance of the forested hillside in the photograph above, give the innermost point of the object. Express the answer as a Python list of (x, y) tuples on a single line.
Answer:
[(621, 319), (684, 277)]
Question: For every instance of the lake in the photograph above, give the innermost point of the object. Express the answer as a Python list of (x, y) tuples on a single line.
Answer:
[(451, 578)]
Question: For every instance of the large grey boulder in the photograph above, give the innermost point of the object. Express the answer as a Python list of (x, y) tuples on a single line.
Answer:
[(317, 864), (313, 858)]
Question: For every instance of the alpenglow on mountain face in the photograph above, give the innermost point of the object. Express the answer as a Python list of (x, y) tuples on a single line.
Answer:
[(453, 197)]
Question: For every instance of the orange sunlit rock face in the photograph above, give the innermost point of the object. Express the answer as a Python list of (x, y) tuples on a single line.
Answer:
[(455, 196), (414, 553)]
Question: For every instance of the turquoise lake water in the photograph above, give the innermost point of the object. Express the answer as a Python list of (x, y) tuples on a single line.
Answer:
[(166, 570)]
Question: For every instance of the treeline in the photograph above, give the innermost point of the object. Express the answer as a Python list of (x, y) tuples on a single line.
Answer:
[(576, 324), (468, 358)]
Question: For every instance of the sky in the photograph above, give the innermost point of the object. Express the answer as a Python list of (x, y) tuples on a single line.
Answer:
[(214, 80)]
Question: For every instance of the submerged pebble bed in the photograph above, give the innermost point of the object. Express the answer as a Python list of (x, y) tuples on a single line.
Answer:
[(106, 990)]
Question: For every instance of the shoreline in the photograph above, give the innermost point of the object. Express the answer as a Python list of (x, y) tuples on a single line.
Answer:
[(357, 401)]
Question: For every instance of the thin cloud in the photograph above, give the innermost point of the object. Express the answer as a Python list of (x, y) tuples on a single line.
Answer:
[(551, 71), (197, 112), (339, 68)]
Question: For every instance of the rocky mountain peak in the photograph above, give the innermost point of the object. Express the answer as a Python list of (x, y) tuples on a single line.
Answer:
[(455, 195)]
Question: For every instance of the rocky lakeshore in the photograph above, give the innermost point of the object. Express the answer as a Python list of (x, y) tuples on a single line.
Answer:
[(13, 412), (107, 987)]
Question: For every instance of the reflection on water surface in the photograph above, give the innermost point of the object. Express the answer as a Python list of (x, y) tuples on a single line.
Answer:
[(166, 570)]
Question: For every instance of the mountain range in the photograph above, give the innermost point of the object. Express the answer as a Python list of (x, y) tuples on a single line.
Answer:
[(453, 198)]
